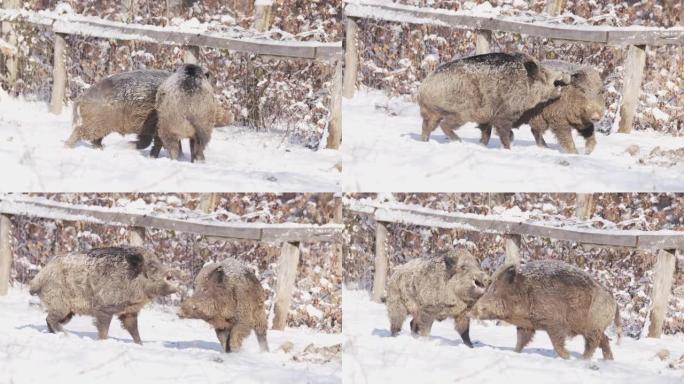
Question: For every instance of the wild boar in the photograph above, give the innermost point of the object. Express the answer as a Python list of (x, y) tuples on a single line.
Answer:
[(580, 106), (186, 108), (102, 283), (123, 103), (435, 289), (493, 89), (553, 296), (229, 297)]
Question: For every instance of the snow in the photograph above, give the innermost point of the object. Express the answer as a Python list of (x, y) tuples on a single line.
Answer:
[(174, 351), (382, 152), (34, 159), (371, 355)]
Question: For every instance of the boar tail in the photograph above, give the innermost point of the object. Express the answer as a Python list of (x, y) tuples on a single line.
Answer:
[(618, 325)]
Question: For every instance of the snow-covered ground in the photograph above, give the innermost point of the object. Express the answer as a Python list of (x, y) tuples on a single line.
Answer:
[(371, 355), (382, 152), (34, 158), (174, 351)]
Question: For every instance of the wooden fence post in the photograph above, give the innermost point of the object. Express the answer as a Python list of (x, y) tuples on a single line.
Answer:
[(381, 262), (512, 245), (335, 125), (58, 75), (191, 55), (483, 41), (136, 237), (631, 86), (663, 274), (208, 202), (554, 7), (287, 274), (10, 36), (584, 206), (5, 253), (338, 218), (351, 58), (262, 15)]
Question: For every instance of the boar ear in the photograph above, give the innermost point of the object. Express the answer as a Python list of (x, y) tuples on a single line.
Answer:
[(217, 275), (510, 273), (450, 262), (135, 262), (532, 68)]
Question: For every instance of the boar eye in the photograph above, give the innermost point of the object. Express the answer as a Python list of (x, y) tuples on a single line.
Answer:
[(479, 284)]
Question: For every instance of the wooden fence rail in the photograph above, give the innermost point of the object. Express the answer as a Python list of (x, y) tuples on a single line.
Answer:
[(244, 41), (636, 38), (665, 243), (289, 234)]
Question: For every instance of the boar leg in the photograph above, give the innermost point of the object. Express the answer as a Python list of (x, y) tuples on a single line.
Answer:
[(463, 329), (504, 129), (98, 143), (591, 342), (524, 337), (397, 315), (56, 320), (564, 137), (539, 138), (156, 147), (237, 334), (73, 139), (605, 347), (102, 321), (261, 338), (557, 337), (223, 335), (129, 321), (485, 133), (589, 144), (449, 125), (430, 123), (171, 143), (421, 324)]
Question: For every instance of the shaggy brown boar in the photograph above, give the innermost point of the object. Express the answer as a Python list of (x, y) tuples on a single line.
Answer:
[(230, 298), (186, 108), (102, 283), (493, 89), (579, 107), (434, 289), (553, 296), (122, 103)]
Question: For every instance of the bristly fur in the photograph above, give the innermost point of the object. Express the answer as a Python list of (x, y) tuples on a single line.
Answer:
[(104, 282), (553, 296), (186, 109), (229, 297), (493, 89), (429, 289)]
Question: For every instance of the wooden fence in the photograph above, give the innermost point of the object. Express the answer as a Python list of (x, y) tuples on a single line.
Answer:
[(245, 41), (289, 234), (665, 243), (636, 38)]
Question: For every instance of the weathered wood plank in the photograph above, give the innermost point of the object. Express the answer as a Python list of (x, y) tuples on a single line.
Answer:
[(136, 237), (285, 282), (483, 41), (100, 28), (232, 230), (335, 125), (663, 274), (59, 75), (634, 74), (381, 262), (5, 253), (512, 246), (262, 16), (351, 58), (554, 7), (649, 240), (533, 25), (584, 206), (10, 36)]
